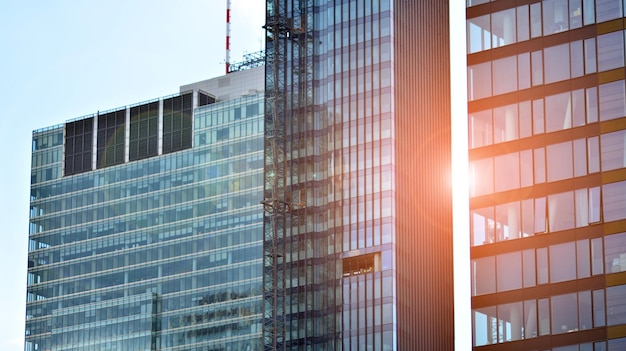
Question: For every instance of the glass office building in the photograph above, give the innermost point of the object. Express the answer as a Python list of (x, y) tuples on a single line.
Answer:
[(547, 149), (146, 225), (361, 91)]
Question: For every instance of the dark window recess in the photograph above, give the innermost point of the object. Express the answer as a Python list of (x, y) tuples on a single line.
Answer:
[(144, 131), (111, 131), (177, 114), (361, 264), (78, 146), (205, 99), (252, 110)]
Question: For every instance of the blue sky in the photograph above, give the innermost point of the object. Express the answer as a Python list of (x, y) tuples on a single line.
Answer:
[(65, 59)]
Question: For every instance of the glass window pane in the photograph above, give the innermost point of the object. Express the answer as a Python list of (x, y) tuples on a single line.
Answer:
[(540, 165), (597, 258), (481, 173), (538, 117), (594, 205), (583, 258), (540, 215), (510, 322), (593, 154), (508, 221), (607, 10), (483, 276), (523, 71), (505, 123), (556, 62), (478, 34), (589, 11), (483, 225), (509, 272), (590, 55), (479, 81), (613, 150), (560, 161), (558, 112), (561, 211), (612, 100), (615, 253), (481, 129), (614, 201), (575, 14), (522, 23), (528, 257), (507, 172), (610, 51), (618, 344), (528, 218), (598, 308), (585, 317), (577, 63), (526, 168), (562, 262), (535, 20), (544, 316), (525, 119), (484, 322), (582, 207), (542, 265), (580, 157), (537, 66), (616, 305), (530, 319), (564, 314), (578, 108), (503, 28), (555, 16)]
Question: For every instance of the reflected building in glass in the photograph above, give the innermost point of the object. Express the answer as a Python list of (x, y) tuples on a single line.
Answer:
[(547, 150), (146, 224), (363, 256)]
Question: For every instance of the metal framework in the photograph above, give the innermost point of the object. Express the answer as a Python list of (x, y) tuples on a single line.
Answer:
[(251, 60), (288, 103)]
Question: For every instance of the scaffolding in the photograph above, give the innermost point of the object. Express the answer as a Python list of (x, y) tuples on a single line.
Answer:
[(288, 102), (251, 60)]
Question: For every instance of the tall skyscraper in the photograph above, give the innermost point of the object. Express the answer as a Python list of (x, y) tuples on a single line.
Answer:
[(358, 201), (146, 224), (547, 140)]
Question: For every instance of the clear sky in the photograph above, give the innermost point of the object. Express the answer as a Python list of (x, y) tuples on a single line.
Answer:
[(65, 59)]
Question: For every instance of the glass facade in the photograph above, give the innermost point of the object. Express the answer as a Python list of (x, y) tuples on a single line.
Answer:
[(162, 252), (547, 140), (340, 252), (335, 96)]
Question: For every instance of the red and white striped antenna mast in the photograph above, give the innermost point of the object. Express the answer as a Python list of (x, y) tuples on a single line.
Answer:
[(227, 35)]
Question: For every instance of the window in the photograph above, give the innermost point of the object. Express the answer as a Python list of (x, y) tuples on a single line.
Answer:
[(562, 262), (610, 51), (615, 253), (613, 150), (564, 313), (561, 211), (509, 272), (483, 276), (614, 201), (612, 100), (560, 161)]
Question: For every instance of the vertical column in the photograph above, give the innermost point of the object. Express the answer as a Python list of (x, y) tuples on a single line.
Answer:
[(127, 135), (160, 132), (94, 144)]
